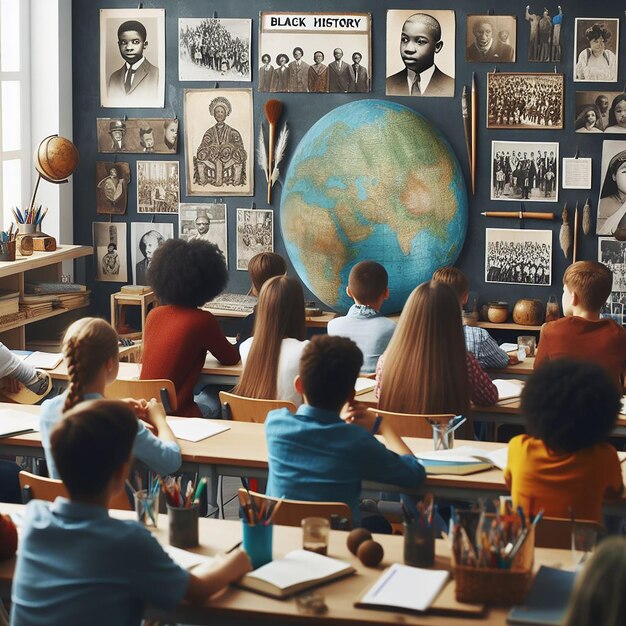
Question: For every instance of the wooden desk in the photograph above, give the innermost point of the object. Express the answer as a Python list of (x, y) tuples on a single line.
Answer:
[(237, 606), (317, 321)]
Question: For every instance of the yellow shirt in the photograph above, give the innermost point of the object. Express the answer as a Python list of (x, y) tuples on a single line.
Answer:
[(542, 479)]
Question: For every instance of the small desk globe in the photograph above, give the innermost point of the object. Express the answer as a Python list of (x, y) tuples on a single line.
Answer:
[(56, 159)]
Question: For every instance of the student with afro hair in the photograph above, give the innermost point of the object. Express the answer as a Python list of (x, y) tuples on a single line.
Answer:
[(184, 276)]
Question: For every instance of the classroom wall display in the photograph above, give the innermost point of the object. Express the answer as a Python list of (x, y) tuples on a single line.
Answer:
[(524, 100), (607, 107), (491, 38), (158, 187), (110, 253), (544, 38), (315, 52), (525, 170), (157, 135), (414, 67), (146, 238), (596, 49), (255, 234), (577, 173), (521, 257), (112, 180), (613, 254), (214, 49), (205, 221), (135, 37), (612, 203), (219, 142)]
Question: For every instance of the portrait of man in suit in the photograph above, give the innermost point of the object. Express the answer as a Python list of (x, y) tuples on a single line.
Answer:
[(420, 41), (359, 80), (338, 73), (490, 39), (298, 80)]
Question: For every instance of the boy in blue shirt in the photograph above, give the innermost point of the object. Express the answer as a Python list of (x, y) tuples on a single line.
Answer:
[(76, 565), (318, 454), (364, 324)]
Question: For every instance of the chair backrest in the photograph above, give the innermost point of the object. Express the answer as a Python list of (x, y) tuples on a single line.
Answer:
[(556, 532), (242, 409), (146, 389), (412, 424), (40, 488), (292, 512)]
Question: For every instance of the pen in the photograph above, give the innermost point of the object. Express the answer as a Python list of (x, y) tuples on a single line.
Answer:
[(234, 547)]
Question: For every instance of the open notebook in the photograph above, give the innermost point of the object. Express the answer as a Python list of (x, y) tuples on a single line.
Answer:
[(196, 428), (508, 388), (363, 385), (462, 460), (17, 423)]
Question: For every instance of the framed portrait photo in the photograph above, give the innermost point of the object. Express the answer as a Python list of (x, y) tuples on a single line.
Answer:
[(132, 58), (611, 205), (491, 39), (600, 112), (255, 234), (596, 49), (146, 239), (112, 180), (145, 135), (206, 221), (110, 253)]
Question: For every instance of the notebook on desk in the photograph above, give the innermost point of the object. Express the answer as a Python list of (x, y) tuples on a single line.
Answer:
[(508, 389), (195, 428), (462, 460), (17, 423)]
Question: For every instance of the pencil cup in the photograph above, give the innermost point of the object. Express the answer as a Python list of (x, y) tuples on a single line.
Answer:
[(419, 545), (257, 542), (443, 437), (7, 250), (30, 229), (183, 526), (147, 507)]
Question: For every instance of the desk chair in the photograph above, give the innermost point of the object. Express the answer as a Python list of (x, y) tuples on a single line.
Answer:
[(292, 512), (412, 424), (240, 409), (556, 532), (40, 488), (163, 390)]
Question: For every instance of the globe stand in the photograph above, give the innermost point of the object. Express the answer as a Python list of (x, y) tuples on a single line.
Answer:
[(32, 200)]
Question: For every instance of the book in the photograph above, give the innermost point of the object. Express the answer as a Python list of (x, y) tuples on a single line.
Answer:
[(363, 385), (187, 560), (295, 572), (17, 423), (232, 302), (137, 290), (462, 460), (508, 388), (196, 428), (9, 302), (508, 347), (547, 601), (43, 360), (41, 288)]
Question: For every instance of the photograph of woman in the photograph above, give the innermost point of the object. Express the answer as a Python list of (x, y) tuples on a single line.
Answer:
[(617, 115), (612, 206), (596, 50), (587, 120)]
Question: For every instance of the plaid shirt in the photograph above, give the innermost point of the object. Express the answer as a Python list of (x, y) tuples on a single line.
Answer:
[(487, 352)]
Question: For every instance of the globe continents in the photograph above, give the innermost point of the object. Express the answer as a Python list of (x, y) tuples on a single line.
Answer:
[(372, 180), (56, 158)]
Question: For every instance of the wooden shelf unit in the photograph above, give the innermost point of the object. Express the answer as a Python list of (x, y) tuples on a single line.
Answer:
[(41, 266), (508, 326)]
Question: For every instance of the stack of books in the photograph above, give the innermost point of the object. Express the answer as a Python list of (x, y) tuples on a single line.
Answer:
[(9, 302), (41, 297)]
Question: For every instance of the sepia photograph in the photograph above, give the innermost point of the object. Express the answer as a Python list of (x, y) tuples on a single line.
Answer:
[(157, 135), (214, 49), (110, 255), (420, 53), (112, 180), (612, 202), (132, 58), (491, 38), (525, 100), (596, 49), (613, 254), (255, 234), (600, 112), (520, 257), (206, 221), (146, 238), (615, 307), (219, 142), (158, 187), (544, 35), (525, 170), (315, 52)]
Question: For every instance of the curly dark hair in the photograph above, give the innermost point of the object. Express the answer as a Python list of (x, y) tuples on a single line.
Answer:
[(187, 273), (570, 405)]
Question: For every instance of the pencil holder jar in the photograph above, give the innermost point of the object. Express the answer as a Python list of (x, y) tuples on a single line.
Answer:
[(30, 229), (257, 542), (147, 507), (419, 545), (7, 250), (183, 526)]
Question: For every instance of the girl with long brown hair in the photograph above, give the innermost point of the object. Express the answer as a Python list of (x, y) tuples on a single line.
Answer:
[(90, 349), (271, 357), (426, 368)]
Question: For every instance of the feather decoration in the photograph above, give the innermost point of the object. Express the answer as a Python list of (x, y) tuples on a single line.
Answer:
[(281, 146), (261, 153), (565, 235), (587, 217)]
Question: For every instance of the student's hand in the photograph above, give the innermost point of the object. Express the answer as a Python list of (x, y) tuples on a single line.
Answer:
[(10, 385), (238, 563), (139, 407), (155, 413), (357, 413), (513, 358)]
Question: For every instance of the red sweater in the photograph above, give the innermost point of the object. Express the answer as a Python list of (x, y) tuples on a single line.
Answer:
[(175, 343)]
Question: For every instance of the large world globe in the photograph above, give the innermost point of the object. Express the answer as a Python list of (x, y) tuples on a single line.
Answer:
[(372, 180)]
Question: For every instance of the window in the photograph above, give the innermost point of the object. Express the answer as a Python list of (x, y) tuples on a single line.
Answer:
[(15, 158)]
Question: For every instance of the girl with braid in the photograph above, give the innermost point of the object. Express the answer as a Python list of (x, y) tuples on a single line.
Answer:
[(90, 349)]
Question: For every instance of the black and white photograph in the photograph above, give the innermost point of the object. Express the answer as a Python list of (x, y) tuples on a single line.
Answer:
[(315, 52), (525, 170), (132, 58), (205, 221), (544, 34), (146, 238), (211, 48), (112, 180), (525, 100), (219, 142), (420, 53), (612, 202), (615, 307), (613, 254), (520, 257), (596, 49), (110, 253), (156, 135), (600, 112), (255, 234), (491, 38), (158, 187)]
